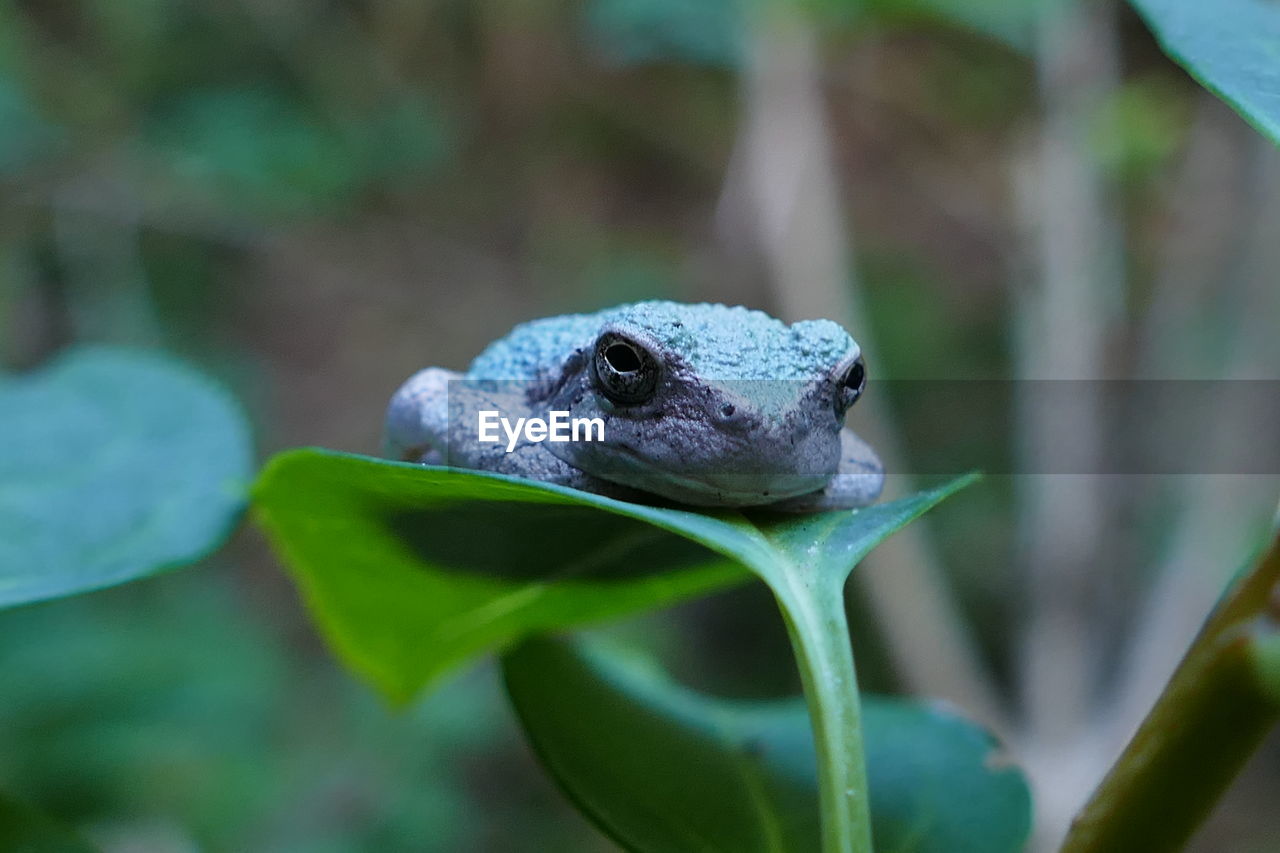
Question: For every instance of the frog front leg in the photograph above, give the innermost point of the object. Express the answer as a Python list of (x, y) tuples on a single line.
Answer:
[(857, 482), (417, 423)]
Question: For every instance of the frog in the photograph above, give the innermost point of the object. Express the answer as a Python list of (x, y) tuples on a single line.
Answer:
[(701, 405)]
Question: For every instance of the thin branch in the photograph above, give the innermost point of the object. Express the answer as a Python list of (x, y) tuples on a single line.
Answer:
[(1063, 320), (1213, 715), (785, 173), (1219, 514)]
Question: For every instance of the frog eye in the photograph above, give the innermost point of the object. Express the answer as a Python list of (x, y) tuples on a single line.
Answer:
[(624, 370), (852, 385)]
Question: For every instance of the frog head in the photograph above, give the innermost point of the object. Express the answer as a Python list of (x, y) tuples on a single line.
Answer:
[(711, 405)]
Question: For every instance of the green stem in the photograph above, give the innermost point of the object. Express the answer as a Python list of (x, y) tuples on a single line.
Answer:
[(1186, 754), (1218, 707), (820, 638)]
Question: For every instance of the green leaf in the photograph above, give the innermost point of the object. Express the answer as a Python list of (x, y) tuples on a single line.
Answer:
[(114, 465), (413, 570), (1230, 46), (410, 571), (25, 830), (660, 767)]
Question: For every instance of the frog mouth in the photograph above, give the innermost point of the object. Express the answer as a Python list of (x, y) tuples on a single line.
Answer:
[(710, 488)]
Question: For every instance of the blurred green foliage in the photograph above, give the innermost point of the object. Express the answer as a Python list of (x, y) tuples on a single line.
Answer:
[(24, 135), (641, 31), (1141, 126), (263, 150), (160, 479), (206, 105), (173, 708), (26, 829)]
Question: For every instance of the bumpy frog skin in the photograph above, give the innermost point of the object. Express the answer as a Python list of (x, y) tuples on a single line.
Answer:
[(702, 404)]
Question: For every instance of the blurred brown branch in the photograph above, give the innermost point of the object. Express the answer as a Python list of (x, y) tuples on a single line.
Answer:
[(787, 174)]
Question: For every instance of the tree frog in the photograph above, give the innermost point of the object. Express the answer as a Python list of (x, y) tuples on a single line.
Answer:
[(705, 405)]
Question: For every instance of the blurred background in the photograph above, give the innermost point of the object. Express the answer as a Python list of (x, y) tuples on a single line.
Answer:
[(311, 200)]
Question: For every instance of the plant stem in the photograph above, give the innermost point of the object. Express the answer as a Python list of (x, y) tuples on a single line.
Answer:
[(819, 632), (1212, 716), (1183, 758)]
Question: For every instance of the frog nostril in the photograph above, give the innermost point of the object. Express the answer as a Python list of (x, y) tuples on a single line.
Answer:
[(732, 415)]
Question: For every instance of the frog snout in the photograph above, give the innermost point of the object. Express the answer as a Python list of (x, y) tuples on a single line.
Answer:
[(752, 441)]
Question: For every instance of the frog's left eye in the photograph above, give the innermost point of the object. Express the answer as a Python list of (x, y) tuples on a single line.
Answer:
[(624, 370), (852, 384)]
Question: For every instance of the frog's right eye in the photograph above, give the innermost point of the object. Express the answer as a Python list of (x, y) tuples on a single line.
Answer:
[(852, 383), (625, 371)]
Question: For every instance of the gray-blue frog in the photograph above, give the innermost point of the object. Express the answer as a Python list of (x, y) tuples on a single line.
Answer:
[(707, 405)]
